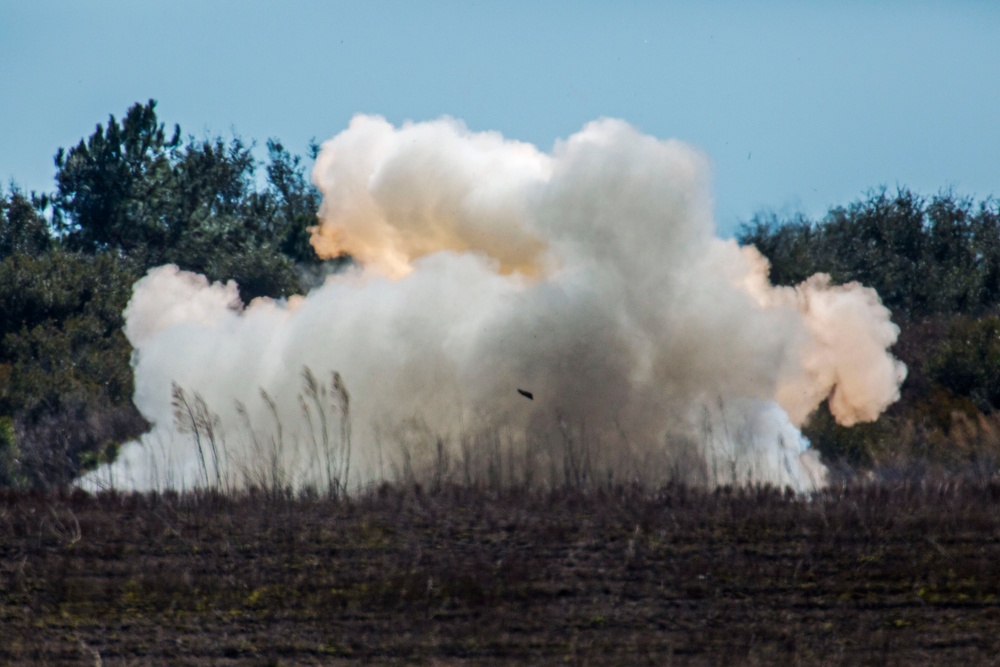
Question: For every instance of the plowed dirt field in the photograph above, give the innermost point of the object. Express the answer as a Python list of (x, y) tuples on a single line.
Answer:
[(902, 575)]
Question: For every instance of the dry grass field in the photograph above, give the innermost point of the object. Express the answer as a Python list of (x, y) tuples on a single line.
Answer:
[(900, 575)]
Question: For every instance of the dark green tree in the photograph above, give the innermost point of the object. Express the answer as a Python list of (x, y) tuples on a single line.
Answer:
[(222, 226), (296, 202), (23, 228), (65, 374), (924, 257), (967, 360), (788, 244), (112, 188), (131, 190)]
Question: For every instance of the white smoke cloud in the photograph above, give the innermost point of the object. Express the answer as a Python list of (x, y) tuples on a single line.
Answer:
[(590, 276)]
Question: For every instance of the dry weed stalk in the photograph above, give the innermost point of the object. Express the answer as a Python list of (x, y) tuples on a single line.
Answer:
[(196, 419), (273, 461), (335, 401)]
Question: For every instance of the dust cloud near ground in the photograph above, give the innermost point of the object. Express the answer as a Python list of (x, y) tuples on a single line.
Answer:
[(590, 276)]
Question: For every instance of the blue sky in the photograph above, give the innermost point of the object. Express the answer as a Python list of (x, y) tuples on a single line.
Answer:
[(799, 105)]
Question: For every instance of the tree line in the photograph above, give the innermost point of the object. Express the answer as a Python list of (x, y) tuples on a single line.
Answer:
[(131, 196), (935, 262), (134, 195)]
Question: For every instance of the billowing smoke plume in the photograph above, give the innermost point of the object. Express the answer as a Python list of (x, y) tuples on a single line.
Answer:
[(591, 278)]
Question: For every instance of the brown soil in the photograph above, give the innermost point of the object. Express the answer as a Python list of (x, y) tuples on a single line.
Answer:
[(904, 575)]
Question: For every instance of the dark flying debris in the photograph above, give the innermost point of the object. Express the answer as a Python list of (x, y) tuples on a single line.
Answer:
[(527, 394)]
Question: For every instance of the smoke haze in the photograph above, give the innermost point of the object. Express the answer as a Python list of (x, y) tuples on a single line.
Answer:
[(590, 276)]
